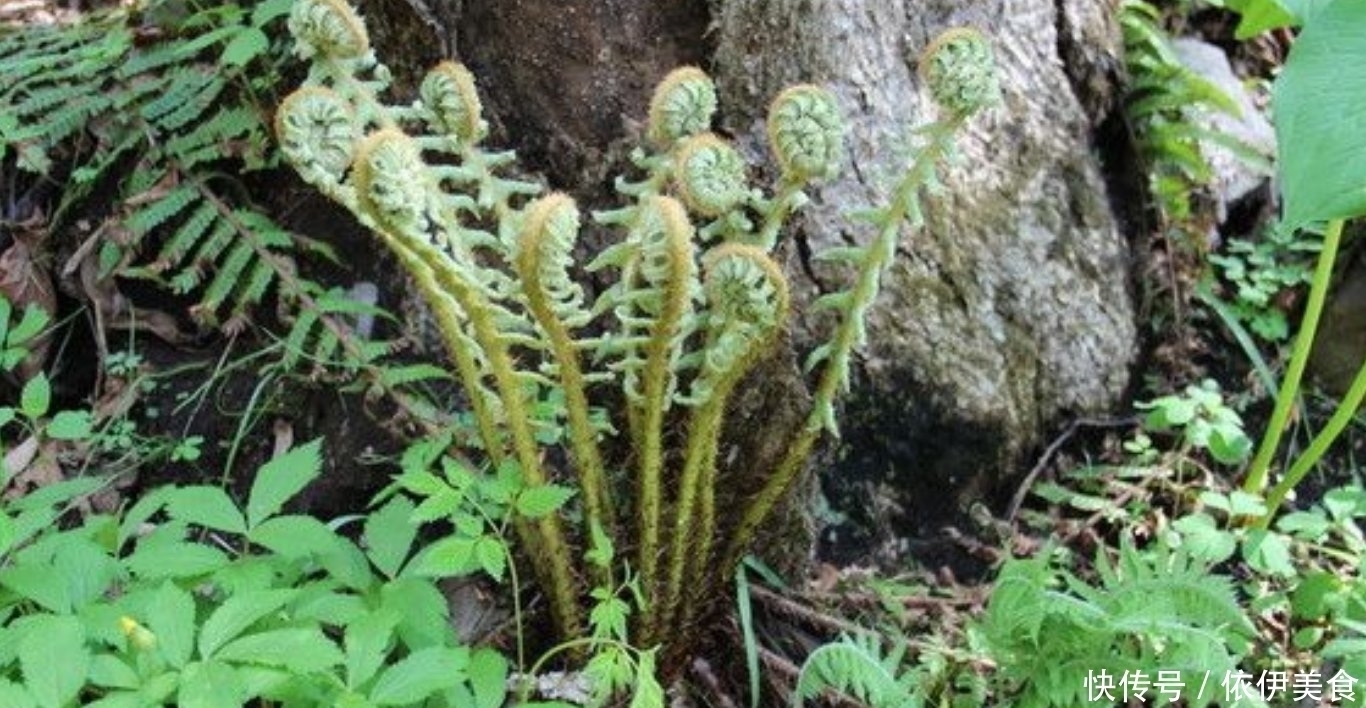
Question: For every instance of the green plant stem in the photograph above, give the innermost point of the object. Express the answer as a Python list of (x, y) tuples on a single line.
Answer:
[(1299, 357), (597, 500), (784, 202), (692, 538), (878, 258), (1342, 416)]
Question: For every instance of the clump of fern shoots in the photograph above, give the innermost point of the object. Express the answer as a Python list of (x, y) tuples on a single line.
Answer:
[(698, 298)]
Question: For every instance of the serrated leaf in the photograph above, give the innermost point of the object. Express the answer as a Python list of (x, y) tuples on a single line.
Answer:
[(236, 614), (211, 684), (109, 671), (282, 478), (488, 674), (53, 659), (389, 534), (1267, 552), (36, 396), (451, 556), (1202, 537), (302, 650), (542, 501), (174, 559), (367, 642), (419, 675), (490, 552), (170, 616), (206, 506), (69, 425)]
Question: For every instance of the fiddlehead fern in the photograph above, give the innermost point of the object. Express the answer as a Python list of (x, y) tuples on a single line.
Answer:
[(806, 133), (544, 256), (452, 101), (710, 175), (747, 306), (959, 69), (682, 105), (316, 128), (392, 181), (962, 56), (328, 29)]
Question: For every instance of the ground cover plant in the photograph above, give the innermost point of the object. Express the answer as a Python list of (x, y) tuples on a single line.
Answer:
[(575, 479)]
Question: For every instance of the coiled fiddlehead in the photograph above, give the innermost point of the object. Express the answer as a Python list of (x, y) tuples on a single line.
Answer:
[(655, 310), (392, 182), (959, 68), (449, 95), (328, 29), (710, 175), (961, 72), (682, 105), (544, 256), (806, 133), (747, 306), (316, 128)]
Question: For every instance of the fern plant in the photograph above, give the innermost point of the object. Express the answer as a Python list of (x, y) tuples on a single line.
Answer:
[(1154, 609), (698, 299), (98, 103)]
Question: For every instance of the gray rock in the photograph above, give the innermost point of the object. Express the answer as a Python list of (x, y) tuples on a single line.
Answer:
[(1234, 176)]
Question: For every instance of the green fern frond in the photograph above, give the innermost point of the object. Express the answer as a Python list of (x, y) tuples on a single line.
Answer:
[(856, 667)]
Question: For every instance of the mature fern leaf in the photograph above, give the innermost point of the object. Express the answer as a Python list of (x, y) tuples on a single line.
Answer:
[(857, 667)]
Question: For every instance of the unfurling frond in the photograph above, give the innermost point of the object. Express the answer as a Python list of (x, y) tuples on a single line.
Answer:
[(449, 95), (710, 175), (959, 68), (329, 29), (391, 182), (747, 305), (806, 132), (682, 105), (316, 128)]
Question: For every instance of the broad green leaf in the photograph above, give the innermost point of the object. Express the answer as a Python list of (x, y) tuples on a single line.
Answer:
[(1319, 101), (490, 552), (7, 533), (367, 643), (1202, 537), (282, 478), (1258, 16), (302, 650), (109, 671), (13, 695), (39, 582), (142, 511), (245, 46), (1266, 551), (211, 684), (297, 536), (488, 677), (424, 611), (206, 506), (542, 501), (448, 557), (389, 535), (648, 693), (170, 616), (53, 659), (236, 614), (419, 675), (1316, 595), (174, 559), (86, 570), (69, 425), (36, 396)]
